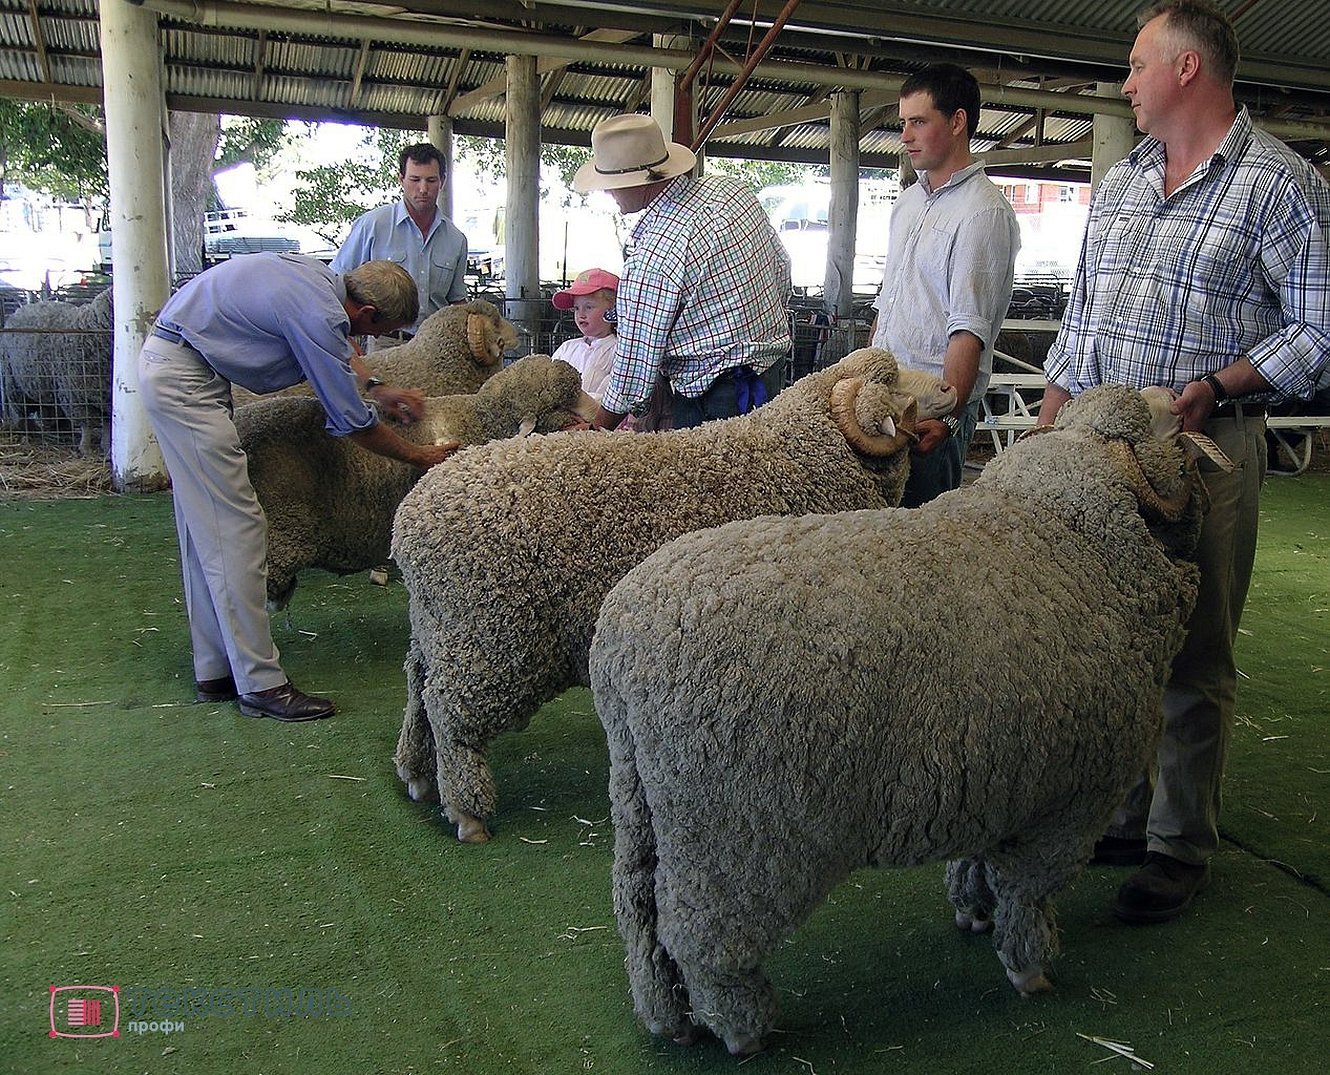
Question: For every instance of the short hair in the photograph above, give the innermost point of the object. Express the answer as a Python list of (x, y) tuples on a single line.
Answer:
[(420, 153), (387, 287), (951, 87), (1199, 25)]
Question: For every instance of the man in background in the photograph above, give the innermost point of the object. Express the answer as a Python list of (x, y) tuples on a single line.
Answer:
[(1206, 269), (703, 293), (413, 233), (950, 264)]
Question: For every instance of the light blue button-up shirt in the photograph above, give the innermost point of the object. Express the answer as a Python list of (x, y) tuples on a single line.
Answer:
[(268, 321), (950, 266), (436, 262)]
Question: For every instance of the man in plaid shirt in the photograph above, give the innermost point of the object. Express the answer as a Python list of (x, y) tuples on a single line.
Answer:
[(1205, 269), (702, 297)]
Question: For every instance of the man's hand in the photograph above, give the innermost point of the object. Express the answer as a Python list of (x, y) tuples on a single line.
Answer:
[(605, 419), (430, 454), (929, 433), (401, 405), (1194, 405)]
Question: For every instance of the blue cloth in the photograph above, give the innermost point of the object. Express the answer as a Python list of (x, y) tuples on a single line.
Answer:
[(436, 262), (749, 389), (268, 321)]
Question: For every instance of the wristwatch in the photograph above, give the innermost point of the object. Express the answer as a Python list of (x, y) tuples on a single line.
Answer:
[(1217, 387), (952, 423), (374, 382)]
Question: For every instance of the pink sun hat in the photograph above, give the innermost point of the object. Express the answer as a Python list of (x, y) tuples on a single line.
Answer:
[(585, 283)]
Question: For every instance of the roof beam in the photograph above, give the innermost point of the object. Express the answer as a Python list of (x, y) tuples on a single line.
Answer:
[(496, 87), (39, 42)]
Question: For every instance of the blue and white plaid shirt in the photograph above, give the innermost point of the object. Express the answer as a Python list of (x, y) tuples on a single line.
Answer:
[(1233, 263), (704, 289)]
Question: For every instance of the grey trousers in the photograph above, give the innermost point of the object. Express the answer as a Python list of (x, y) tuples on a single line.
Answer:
[(1178, 811), (223, 533)]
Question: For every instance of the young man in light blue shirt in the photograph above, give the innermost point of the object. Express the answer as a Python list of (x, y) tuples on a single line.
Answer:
[(950, 264), (412, 233)]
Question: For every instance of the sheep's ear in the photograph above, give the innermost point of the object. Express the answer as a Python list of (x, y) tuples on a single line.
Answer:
[(1198, 445), (1170, 509), (887, 432), (527, 427)]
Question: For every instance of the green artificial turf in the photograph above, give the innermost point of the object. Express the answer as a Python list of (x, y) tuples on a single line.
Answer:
[(153, 843)]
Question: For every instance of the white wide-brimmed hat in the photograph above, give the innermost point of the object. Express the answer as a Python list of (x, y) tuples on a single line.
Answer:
[(631, 151)]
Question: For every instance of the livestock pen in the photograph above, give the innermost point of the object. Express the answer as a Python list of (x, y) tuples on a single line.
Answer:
[(267, 899)]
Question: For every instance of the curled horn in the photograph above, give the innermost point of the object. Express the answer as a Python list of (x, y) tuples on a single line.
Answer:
[(480, 338), (1169, 510), (1199, 444), (844, 394)]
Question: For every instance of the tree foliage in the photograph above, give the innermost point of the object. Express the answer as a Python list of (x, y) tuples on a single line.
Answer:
[(56, 149), (328, 197), (758, 174), (257, 141)]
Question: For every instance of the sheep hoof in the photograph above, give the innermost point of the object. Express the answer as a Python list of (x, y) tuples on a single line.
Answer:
[(1030, 981), (421, 789), (689, 1035), (744, 1044), (471, 830), (973, 922)]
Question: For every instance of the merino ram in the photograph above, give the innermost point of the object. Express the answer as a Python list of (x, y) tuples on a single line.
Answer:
[(330, 504), (787, 700), (456, 350), (508, 549), (56, 359)]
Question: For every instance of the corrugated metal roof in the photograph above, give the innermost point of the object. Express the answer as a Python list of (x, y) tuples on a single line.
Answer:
[(303, 59)]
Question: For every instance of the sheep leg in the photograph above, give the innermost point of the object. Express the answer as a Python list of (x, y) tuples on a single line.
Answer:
[(659, 997), (415, 755), (466, 785), (738, 1006), (967, 888), (1023, 882)]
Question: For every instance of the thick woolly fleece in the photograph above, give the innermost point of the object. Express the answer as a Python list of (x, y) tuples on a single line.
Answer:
[(507, 550), (438, 359), (787, 700), (330, 504), (49, 369)]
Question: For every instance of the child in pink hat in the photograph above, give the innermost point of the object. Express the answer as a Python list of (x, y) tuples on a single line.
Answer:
[(590, 296)]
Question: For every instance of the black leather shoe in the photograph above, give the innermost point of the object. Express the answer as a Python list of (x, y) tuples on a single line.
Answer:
[(285, 703), (1119, 851), (1160, 890), (215, 690)]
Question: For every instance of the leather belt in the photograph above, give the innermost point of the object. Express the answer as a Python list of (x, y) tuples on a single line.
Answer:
[(170, 335), (1232, 410)]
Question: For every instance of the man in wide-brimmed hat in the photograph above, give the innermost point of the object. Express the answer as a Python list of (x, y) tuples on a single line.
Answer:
[(702, 297)]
